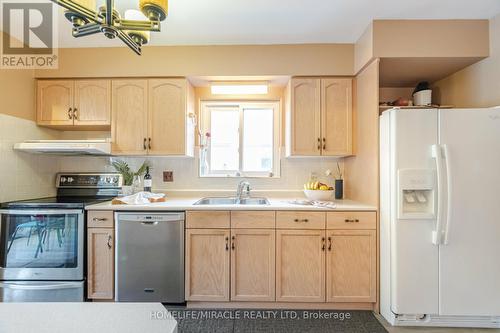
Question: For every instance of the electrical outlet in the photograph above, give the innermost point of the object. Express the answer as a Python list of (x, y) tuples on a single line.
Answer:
[(168, 176)]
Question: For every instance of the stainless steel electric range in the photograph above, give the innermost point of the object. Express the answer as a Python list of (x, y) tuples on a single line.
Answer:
[(42, 241)]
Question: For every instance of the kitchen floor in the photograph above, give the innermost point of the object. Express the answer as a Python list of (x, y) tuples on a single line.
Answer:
[(291, 321)]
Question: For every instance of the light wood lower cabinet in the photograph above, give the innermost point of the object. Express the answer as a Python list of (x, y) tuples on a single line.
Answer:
[(351, 266), (207, 264), (252, 265), (300, 265), (100, 263)]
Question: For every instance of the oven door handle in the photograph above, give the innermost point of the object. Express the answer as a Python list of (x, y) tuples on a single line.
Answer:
[(18, 286), (40, 211)]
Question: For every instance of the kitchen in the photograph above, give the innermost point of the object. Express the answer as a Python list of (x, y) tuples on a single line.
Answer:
[(272, 169)]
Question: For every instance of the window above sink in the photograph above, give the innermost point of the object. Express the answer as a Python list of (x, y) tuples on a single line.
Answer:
[(239, 139)]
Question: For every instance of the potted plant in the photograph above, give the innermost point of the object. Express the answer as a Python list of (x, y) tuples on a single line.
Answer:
[(128, 175)]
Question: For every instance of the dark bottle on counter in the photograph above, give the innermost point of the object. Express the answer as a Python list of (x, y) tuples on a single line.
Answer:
[(148, 181)]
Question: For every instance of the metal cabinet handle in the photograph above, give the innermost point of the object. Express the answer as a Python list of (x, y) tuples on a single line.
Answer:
[(99, 219), (301, 220), (75, 113), (70, 114), (232, 243), (324, 143), (329, 243), (149, 143), (227, 243), (323, 245), (144, 144), (109, 240), (351, 220), (319, 144)]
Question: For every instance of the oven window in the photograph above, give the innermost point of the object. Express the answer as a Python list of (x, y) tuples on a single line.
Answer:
[(39, 241)]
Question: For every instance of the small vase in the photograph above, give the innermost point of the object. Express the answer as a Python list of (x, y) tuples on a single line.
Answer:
[(127, 190), (339, 189)]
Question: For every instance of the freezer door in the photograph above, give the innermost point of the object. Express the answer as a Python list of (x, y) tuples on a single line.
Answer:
[(413, 256), (469, 273)]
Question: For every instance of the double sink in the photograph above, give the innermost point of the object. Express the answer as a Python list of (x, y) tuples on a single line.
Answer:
[(232, 201)]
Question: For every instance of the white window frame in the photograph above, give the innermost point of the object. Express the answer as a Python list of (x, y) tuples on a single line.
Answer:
[(205, 108)]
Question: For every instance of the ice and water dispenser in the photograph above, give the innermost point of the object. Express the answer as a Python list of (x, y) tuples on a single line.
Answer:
[(416, 190)]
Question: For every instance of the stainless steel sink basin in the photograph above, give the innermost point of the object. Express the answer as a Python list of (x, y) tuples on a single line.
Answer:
[(232, 201)]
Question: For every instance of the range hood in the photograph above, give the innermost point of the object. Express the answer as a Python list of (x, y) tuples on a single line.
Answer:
[(66, 147)]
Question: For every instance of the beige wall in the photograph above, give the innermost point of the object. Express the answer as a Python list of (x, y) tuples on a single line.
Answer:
[(477, 85), (363, 49), (17, 89), (361, 170), (303, 59)]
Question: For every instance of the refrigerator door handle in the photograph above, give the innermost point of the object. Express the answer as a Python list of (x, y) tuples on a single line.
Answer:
[(448, 193), (438, 156)]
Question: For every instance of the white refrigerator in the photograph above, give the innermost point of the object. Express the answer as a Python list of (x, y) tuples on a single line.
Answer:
[(440, 217)]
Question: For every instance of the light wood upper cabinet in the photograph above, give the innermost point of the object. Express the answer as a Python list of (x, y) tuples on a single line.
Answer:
[(300, 265), (207, 264), (100, 263), (303, 117), (129, 117), (336, 117), (169, 123), (318, 113), (152, 117), (74, 104), (92, 105), (54, 102), (351, 266), (252, 265)]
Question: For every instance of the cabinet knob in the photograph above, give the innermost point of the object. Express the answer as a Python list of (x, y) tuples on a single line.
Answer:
[(319, 144), (323, 246), (149, 143), (329, 243), (227, 243), (99, 219), (301, 220), (75, 113), (70, 114), (324, 143), (109, 242), (351, 220), (144, 144)]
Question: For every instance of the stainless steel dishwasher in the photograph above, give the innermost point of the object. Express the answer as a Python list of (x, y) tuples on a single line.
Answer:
[(149, 257)]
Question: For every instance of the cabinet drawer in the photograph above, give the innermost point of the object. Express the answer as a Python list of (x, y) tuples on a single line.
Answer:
[(300, 220), (208, 219), (351, 220), (253, 219), (100, 219)]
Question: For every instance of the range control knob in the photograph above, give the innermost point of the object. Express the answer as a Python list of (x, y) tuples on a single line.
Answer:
[(63, 179), (70, 179)]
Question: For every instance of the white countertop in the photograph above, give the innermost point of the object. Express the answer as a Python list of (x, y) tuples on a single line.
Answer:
[(185, 203), (85, 317)]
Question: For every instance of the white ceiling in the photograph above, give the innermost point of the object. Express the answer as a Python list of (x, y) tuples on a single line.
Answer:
[(209, 22)]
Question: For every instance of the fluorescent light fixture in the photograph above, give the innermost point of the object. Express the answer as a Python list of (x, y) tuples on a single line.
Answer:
[(234, 88)]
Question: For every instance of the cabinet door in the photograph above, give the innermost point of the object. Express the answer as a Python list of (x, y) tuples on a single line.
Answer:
[(167, 116), (207, 264), (129, 117), (300, 265), (304, 117), (252, 265), (336, 116), (54, 102), (100, 263), (92, 102), (351, 266)]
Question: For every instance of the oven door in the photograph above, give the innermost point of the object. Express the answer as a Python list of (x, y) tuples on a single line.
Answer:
[(41, 244)]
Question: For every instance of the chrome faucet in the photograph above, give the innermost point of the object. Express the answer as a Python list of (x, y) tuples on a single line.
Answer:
[(243, 190)]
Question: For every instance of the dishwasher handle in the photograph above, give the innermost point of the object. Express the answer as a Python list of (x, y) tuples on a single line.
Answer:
[(149, 218)]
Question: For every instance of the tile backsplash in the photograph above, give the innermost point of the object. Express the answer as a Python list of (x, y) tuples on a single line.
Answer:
[(294, 172), (22, 175)]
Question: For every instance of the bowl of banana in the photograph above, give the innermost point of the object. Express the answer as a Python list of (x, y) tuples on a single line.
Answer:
[(317, 191)]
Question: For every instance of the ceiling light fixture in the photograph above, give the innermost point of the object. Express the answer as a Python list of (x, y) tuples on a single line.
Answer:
[(134, 30), (234, 88)]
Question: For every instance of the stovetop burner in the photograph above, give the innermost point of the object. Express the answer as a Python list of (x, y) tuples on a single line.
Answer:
[(75, 191)]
